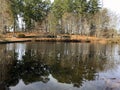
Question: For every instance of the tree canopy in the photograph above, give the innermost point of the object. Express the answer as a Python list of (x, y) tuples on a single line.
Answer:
[(30, 10), (63, 16)]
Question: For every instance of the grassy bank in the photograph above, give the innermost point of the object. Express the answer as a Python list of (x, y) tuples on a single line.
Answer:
[(30, 37)]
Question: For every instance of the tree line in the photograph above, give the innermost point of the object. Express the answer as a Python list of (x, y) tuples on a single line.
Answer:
[(84, 17)]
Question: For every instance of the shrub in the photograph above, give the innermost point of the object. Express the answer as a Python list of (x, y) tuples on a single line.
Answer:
[(1, 36), (21, 36), (87, 40), (51, 36), (66, 37)]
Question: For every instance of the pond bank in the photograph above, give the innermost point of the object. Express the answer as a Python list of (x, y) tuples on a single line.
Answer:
[(43, 37), (73, 39)]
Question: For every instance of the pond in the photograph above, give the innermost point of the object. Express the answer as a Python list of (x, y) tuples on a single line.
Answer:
[(59, 66)]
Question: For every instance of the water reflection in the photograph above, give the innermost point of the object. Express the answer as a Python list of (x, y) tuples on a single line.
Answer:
[(57, 66)]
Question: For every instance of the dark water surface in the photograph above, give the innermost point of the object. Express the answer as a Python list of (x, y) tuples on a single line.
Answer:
[(59, 66)]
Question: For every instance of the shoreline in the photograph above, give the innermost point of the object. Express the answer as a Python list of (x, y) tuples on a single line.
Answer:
[(20, 40), (33, 37)]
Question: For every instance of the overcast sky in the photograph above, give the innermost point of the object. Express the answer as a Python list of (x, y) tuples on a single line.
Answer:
[(113, 5)]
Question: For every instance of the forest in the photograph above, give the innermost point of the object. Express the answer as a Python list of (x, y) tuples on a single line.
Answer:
[(81, 17)]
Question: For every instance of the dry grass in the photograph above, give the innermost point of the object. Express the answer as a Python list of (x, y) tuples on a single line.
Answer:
[(114, 40), (91, 39), (63, 38)]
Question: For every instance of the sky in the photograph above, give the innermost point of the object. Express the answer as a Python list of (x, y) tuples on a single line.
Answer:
[(113, 5)]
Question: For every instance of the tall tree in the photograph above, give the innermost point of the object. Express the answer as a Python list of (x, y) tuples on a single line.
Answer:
[(59, 8), (80, 9), (31, 11), (6, 17), (94, 7), (35, 11)]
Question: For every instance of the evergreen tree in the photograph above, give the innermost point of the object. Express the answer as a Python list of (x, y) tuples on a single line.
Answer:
[(15, 7), (94, 6), (59, 7), (31, 11)]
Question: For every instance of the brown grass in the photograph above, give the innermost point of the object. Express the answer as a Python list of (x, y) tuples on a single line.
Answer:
[(71, 38)]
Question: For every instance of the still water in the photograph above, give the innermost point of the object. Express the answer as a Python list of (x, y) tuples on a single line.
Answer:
[(59, 66)]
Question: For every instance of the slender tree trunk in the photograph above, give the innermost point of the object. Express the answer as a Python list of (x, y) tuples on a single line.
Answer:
[(14, 27)]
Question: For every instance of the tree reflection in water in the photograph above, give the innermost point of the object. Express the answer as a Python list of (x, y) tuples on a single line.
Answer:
[(30, 69), (71, 63)]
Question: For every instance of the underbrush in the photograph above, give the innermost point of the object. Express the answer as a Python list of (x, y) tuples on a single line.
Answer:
[(21, 36)]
